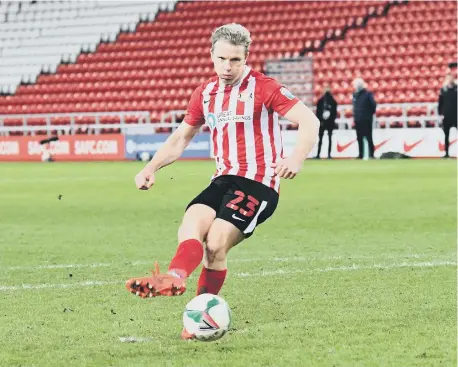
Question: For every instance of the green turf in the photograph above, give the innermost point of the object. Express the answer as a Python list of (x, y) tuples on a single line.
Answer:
[(356, 268)]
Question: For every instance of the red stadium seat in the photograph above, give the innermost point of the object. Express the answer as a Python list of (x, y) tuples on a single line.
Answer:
[(401, 56)]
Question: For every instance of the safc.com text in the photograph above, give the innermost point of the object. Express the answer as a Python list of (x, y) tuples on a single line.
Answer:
[(96, 147), (9, 148)]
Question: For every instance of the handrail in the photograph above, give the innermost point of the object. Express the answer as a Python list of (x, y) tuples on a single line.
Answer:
[(143, 118), (174, 117)]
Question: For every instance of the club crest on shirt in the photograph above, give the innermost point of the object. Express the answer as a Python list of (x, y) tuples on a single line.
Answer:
[(287, 93), (245, 96)]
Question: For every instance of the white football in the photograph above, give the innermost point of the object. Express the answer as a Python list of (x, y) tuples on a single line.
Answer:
[(46, 156), (207, 316), (145, 156)]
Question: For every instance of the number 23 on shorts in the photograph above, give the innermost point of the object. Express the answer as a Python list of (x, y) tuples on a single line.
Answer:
[(251, 205)]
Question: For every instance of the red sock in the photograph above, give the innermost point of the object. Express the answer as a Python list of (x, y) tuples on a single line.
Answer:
[(210, 281), (187, 258)]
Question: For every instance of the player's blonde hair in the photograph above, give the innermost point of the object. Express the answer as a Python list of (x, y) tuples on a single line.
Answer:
[(233, 33)]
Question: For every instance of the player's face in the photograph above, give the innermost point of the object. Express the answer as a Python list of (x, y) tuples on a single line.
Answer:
[(229, 61)]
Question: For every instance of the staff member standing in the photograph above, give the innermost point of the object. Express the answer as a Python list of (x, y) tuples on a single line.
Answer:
[(326, 111), (448, 109), (364, 107)]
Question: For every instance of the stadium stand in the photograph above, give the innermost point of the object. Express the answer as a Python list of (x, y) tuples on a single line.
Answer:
[(402, 56), (102, 57), (38, 36)]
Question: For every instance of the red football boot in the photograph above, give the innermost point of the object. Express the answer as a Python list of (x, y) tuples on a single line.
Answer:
[(156, 285)]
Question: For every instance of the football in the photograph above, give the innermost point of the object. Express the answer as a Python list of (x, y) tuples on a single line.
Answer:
[(46, 156), (207, 316), (145, 156)]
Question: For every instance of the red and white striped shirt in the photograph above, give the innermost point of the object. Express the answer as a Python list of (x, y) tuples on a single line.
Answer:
[(243, 119)]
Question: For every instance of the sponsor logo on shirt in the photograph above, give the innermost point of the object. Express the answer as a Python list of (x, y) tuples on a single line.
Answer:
[(225, 117)]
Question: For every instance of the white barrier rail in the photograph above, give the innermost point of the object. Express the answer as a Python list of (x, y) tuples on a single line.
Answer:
[(404, 118), (146, 126), (380, 121), (143, 118)]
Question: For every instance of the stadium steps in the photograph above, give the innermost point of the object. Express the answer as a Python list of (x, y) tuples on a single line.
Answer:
[(402, 55), (38, 36)]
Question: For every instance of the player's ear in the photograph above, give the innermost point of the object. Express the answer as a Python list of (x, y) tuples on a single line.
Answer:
[(246, 56)]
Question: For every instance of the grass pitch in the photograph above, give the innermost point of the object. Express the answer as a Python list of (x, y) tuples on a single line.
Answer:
[(356, 268)]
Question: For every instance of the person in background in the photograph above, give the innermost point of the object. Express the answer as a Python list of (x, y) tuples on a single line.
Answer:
[(447, 108), (326, 111), (364, 107)]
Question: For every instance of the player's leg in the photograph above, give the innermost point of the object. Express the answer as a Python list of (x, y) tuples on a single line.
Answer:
[(245, 206), (199, 215), (191, 235), (221, 238)]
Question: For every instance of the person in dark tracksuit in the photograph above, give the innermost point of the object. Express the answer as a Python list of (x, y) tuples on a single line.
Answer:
[(364, 107), (447, 107), (326, 111)]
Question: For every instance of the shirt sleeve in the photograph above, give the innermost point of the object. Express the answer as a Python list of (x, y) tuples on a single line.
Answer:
[(194, 113), (277, 97)]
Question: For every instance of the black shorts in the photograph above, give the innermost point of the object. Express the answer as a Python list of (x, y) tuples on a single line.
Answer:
[(243, 202)]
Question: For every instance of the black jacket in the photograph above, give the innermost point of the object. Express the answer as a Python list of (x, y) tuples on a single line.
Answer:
[(327, 103), (447, 105), (364, 107)]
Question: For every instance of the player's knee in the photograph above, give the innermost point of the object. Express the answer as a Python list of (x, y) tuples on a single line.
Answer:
[(196, 223), (216, 247), (215, 252)]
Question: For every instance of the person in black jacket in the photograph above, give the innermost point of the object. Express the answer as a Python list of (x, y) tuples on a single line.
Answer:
[(364, 107), (448, 108), (326, 111)]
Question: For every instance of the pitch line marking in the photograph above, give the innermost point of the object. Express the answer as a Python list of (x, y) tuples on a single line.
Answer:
[(354, 267), (273, 259)]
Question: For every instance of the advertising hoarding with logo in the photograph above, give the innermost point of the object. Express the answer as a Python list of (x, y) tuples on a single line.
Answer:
[(66, 148), (426, 143), (199, 148)]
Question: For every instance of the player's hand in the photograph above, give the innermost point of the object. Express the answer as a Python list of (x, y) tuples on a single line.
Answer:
[(144, 179), (287, 168)]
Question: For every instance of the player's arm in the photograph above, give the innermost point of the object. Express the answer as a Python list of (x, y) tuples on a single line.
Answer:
[(306, 139), (168, 153), (281, 100), (175, 145)]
